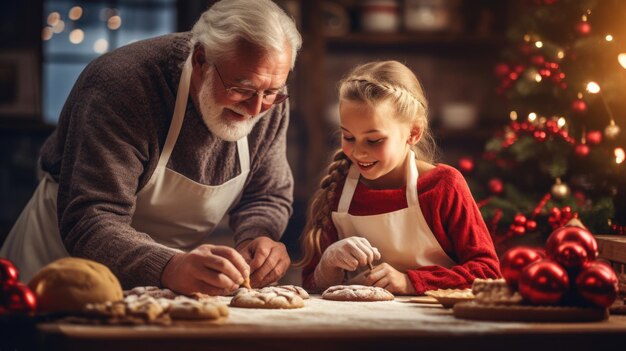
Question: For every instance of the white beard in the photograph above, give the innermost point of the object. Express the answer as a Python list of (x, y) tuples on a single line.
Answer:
[(223, 128)]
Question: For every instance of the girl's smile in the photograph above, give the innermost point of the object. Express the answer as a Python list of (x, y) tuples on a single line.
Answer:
[(375, 142)]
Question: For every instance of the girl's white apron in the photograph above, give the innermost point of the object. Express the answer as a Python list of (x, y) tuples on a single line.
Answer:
[(403, 237)]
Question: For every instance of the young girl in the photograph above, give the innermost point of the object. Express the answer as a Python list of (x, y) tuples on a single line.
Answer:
[(385, 214)]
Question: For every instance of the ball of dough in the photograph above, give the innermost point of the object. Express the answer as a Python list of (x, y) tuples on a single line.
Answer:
[(68, 284)]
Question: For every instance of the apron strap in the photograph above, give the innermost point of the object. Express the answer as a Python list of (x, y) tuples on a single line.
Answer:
[(411, 181), (244, 154), (353, 178), (348, 189), (179, 114)]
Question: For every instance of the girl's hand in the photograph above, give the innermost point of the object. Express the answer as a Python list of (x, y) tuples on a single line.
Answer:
[(350, 253), (387, 277)]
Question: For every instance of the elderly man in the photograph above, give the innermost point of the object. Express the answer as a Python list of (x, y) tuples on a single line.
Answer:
[(157, 142)]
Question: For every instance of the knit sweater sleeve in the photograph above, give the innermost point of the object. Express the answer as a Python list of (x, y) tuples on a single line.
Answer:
[(456, 222)]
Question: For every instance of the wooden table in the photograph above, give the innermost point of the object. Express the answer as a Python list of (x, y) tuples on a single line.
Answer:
[(327, 325)]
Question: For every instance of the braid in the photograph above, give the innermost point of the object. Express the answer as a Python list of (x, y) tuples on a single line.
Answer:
[(318, 216), (398, 91)]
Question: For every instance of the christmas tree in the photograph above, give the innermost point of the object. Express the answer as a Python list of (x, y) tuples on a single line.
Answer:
[(561, 154)]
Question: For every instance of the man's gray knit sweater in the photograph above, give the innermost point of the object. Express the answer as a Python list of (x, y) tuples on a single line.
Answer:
[(107, 145)]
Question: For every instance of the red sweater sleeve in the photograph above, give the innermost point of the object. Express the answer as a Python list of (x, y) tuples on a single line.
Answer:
[(453, 217), (456, 222)]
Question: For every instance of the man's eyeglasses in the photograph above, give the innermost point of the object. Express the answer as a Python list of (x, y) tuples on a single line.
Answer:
[(242, 94)]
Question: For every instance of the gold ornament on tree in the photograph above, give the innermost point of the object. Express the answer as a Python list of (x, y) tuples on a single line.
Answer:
[(560, 190), (612, 130)]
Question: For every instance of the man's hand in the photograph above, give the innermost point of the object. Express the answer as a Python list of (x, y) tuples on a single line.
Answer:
[(387, 277), (210, 269), (268, 260)]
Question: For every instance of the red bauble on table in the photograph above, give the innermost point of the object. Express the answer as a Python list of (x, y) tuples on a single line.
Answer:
[(572, 234), (18, 298), (597, 284), (571, 255), (543, 282), (515, 260), (8, 272)]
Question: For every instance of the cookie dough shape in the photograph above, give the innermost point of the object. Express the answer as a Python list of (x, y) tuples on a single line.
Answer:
[(268, 298), (190, 309), (70, 283), (356, 293)]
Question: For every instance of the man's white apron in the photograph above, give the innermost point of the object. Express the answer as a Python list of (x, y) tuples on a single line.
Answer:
[(174, 210)]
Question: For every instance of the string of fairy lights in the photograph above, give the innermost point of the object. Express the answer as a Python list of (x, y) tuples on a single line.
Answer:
[(542, 70)]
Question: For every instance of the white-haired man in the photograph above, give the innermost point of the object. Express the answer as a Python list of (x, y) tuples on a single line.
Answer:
[(157, 142)]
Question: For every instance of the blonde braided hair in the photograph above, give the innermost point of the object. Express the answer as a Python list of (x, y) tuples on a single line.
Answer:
[(318, 215)]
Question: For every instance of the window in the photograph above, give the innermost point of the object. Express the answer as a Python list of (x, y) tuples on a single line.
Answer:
[(76, 32)]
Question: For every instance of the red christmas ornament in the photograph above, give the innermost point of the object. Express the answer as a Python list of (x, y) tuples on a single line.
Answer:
[(531, 225), (583, 28), (594, 137), (581, 150), (574, 234), (466, 165), (597, 283), (515, 260), (502, 70), (8, 272), (18, 298), (543, 282), (579, 106), (537, 60), (495, 186), (570, 255), (540, 135)]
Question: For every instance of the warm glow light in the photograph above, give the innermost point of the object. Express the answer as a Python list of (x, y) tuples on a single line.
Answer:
[(77, 36), (537, 77), (75, 13), (621, 58), (513, 115), (560, 122), (608, 37), (560, 54), (54, 18), (620, 155), (532, 116), (58, 27), (593, 88), (526, 38), (114, 22), (46, 33), (539, 44), (101, 46)]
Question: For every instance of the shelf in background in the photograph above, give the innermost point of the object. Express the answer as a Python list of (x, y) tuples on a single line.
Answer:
[(406, 40)]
